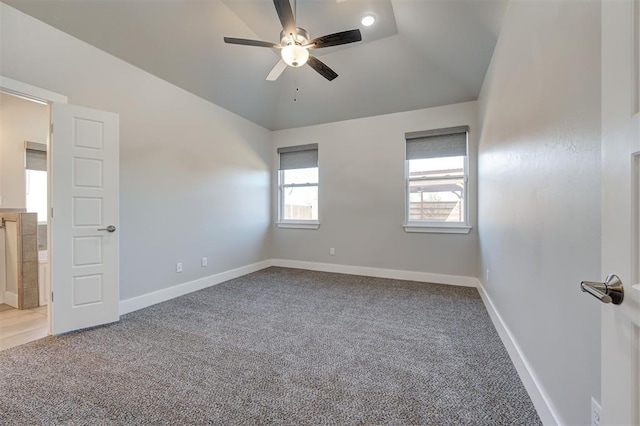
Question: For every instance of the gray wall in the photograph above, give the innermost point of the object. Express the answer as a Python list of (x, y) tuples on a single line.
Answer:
[(194, 178), (361, 196), (539, 193)]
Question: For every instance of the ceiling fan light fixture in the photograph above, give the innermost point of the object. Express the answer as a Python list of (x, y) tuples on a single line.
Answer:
[(295, 55)]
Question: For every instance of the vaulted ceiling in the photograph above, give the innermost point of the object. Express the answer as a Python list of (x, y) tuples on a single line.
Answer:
[(418, 54)]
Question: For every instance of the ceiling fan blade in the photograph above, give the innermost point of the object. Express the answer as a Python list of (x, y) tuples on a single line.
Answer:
[(247, 42), (285, 13), (336, 39), (321, 68), (277, 70)]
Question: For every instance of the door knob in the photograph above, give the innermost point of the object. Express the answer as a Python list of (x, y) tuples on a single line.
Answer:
[(109, 228), (610, 291)]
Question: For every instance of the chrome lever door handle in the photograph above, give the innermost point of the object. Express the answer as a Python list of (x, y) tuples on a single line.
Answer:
[(610, 291), (109, 228), (597, 290)]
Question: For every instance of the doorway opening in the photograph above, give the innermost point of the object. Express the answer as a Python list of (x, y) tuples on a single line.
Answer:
[(24, 260)]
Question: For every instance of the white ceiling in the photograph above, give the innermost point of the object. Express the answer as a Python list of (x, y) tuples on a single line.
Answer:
[(419, 54)]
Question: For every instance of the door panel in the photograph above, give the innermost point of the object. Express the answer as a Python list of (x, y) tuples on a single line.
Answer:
[(620, 325), (84, 167)]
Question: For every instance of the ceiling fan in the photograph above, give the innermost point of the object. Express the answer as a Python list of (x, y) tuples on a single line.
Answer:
[(295, 44)]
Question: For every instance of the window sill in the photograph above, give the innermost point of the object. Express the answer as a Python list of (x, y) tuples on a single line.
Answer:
[(299, 225), (437, 229)]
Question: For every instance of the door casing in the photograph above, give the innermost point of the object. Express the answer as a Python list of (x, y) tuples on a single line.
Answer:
[(43, 96)]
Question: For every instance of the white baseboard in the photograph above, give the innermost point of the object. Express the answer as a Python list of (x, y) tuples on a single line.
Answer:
[(378, 272), (11, 299), (145, 300), (539, 397), (139, 302)]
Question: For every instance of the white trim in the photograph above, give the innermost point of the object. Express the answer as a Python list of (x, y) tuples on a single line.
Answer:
[(34, 93), (465, 196), (541, 401), (11, 299), (378, 272), (437, 229), (149, 299), (299, 225)]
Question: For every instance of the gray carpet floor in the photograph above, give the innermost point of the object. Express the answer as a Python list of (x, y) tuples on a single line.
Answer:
[(280, 346)]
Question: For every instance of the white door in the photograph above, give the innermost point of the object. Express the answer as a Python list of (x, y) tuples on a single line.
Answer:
[(621, 209), (84, 200)]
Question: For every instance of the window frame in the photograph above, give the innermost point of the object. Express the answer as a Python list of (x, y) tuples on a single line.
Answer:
[(310, 163), (430, 226), (293, 223)]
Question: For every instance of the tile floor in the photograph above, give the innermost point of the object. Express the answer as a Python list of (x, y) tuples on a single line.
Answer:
[(18, 327)]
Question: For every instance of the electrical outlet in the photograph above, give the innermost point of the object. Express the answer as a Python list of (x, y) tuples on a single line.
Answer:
[(205, 262), (595, 413), (486, 275), (179, 267), (332, 251)]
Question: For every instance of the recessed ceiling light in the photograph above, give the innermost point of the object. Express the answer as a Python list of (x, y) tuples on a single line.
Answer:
[(368, 20)]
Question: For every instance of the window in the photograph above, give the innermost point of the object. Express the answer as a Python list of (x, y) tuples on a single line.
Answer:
[(436, 181), (36, 179), (298, 186)]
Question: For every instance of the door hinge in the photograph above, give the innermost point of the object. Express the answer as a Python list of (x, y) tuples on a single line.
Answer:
[(52, 212), (51, 297), (51, 128)]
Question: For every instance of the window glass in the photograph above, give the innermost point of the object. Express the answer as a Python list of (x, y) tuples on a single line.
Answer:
[(37, 193), (436, 190), (309, 175), (299, 194), (440, 200), (300, 203), (431, 167)]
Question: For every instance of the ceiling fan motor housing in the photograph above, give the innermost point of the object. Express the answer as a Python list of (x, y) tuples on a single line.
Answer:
[(300, 38)]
